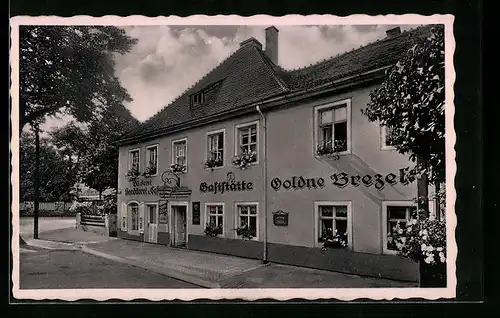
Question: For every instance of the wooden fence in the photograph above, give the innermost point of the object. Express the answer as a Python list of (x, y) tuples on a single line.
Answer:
[(47, 209), (93, 220), (46, 206)]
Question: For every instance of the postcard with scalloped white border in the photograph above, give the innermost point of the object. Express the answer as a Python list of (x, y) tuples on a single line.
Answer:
[(233, 158)]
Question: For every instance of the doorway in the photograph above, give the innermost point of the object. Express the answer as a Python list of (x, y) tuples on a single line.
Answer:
[(152, 216), (178, 212)]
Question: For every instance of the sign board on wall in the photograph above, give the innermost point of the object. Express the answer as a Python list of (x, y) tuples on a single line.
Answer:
[(163, 211), (280, 218), (196, 213)]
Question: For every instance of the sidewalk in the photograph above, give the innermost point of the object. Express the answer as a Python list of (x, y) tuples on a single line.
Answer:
[(206, 269)]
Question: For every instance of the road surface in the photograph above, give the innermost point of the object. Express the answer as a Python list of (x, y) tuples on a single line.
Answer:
[(45, 224), (57, 269)]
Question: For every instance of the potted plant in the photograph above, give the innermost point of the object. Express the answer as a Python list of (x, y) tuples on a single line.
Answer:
[(244, 159), (212, 230), (133, 174), (212, 163), (246, 232), (332, 239), (330, 148), (424, 241), (177, 168), (150, 170)]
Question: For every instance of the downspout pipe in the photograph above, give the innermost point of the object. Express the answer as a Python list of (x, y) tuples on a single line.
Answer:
[(264, 167)]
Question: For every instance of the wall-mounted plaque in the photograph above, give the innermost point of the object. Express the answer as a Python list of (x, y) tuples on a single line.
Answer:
[(196, 213), (163, 211), (280, 218)]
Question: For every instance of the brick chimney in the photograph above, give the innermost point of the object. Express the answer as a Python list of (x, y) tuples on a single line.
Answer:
[(251, 41), (393, 32), (272, 44)]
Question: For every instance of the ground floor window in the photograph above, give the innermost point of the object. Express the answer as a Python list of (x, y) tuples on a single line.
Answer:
[(394, 212), (134, 216), (333, 221), (247, 218), (215, 216)]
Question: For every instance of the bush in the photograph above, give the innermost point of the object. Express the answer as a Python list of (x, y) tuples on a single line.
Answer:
[(422, 240), (85, 208)]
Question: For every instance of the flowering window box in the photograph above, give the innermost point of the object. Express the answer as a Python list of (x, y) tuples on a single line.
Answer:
[(210, 164), (244, 159), (331, 148), (177, 168), (133, 174)]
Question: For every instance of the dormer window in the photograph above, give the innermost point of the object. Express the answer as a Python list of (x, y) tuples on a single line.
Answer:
[(197, 99)]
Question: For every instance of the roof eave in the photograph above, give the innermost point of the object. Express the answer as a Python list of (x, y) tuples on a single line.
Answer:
[(277, 100)]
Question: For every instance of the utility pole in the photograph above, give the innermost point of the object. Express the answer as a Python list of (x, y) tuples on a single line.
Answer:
[(37, 180)]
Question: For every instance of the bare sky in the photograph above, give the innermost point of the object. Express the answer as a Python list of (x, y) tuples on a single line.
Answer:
[(167, 60)]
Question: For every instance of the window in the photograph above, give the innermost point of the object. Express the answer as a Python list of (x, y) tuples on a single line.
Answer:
[(247, 140), (215, 148), (197, 99), (333, 218), (179, 152), (134, 159), (215, 215), (247, 218), (333, 127), (133, 211), (152, 159), (152, 218), (394, 212), (386, 134)]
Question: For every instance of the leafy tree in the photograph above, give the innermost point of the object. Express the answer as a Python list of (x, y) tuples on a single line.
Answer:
[(93, 146), (410, 102), (69, 69), (57, 174)]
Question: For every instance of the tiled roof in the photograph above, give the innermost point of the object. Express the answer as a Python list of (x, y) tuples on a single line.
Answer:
[(249, 76), (369, 57), (245, 77)]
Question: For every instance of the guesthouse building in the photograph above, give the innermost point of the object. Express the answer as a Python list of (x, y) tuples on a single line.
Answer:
[(260, 162)]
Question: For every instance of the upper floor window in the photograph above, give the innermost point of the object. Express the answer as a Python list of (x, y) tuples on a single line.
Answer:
[(179, 153), (333, 128), (386, 137), (197, 99), (134, 159), (247, 141), (215, 147), (152, 159)]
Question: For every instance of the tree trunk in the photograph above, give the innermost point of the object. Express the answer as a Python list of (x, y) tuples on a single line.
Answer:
[(437, 206), (37, 181), (422, 193)]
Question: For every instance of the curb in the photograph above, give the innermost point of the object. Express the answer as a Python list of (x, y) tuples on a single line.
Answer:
[(51, 245), (154, 268)]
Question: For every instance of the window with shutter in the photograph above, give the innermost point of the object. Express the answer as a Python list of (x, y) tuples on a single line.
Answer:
[(123, 217), (141, 218)]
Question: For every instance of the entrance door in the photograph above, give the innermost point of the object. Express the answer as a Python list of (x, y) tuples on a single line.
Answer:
[(179, 223), (152, 210)]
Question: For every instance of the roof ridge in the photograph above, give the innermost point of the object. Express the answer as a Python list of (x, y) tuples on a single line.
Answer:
[(269, 66), (338, 55), (193, 85)]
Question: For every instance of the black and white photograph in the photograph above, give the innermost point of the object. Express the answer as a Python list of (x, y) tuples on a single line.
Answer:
[(233, 157)]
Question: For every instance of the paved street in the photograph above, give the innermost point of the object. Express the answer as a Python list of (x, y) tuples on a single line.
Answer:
[(55, 269), (97, 261), (45, 224)]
